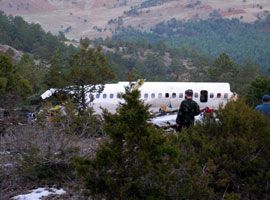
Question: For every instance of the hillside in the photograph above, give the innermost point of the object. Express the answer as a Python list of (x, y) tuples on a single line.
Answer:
[(101, 18), (211, 37), (12, 52)]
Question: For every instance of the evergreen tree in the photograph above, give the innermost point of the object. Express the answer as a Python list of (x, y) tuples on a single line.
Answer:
[(13, 87), (32, 72), (224, 70), (56, 74), (88, 68), (247, 73), (259, 87), (140, 161)]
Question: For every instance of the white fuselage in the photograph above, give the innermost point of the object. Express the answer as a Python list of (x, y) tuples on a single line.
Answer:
[(162, 94)]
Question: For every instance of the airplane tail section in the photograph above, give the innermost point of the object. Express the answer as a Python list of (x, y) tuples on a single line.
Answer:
[(139, 84)]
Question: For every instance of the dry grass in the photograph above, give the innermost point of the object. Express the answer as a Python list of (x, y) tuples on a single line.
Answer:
[(24, 149)]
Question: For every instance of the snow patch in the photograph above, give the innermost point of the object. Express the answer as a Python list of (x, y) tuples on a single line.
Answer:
[(6, 165), (39, 193), (4, 152)]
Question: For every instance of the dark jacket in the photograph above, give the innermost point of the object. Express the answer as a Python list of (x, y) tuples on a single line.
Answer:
[(264, 108), (188, 109)]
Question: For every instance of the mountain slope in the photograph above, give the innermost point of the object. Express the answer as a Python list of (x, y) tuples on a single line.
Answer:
[(101, 18)]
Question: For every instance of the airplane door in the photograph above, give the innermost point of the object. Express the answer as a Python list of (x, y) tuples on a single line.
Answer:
[(204, 96)]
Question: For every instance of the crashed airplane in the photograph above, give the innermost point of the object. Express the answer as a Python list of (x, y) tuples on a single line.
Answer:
[(161, 96)]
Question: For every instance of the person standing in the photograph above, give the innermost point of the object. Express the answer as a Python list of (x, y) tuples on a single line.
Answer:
[(265, 107), (187, 111)]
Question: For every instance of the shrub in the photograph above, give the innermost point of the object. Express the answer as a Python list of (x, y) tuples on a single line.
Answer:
[(86, 123), (238, 145), (41, 154)]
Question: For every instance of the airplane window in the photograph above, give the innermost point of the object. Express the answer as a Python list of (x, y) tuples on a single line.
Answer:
[(167, 95), (145, 95), (181, 95), (91, 96), (97, 96), (211, 95), (104, 96), (173, 95), (196, 95), (226, 96), (153, 95), (159, 95), (111, 96), (118, 95), (218, 95), (204, 96)]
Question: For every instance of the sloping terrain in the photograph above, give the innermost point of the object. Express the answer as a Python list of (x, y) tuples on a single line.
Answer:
[(12, 52), (101, 18)]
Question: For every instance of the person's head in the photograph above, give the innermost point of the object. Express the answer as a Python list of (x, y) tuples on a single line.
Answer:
[(189, 94), (266, 98)]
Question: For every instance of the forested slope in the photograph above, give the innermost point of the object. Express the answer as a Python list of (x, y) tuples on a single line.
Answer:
[(30, 38), (212, 37)]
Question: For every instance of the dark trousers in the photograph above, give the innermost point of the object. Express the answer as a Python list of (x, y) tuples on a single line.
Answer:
[(182, 125)]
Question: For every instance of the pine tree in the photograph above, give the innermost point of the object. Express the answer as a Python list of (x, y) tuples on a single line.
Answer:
[(259, 87), (89, 68), (57, 72), (31, 72), (134, 164), (13, 87), (224, 70), (140, 161)]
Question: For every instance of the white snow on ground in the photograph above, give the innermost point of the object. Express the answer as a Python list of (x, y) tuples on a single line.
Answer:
[(39, 193), (6, 165), (4, 152)]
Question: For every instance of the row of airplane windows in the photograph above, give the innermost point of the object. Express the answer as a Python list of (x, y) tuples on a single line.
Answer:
[(203, 95)]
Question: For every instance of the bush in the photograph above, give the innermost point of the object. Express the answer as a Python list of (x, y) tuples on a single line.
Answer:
[(86, 123), (35, 155), (238, 145), (40, 153)]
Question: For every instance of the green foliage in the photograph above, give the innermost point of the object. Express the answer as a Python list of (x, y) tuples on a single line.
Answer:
[(31, 72), (55, 77), (239, 77), (30, 38), (159, 62), (246, 74), (13, 86), (140, 161), (224, 70), (155, 62), (211, 37), (3, 85), (43, 153), (237, 143), (88, 68), (258, 88), (35, 166), (87, 124)]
